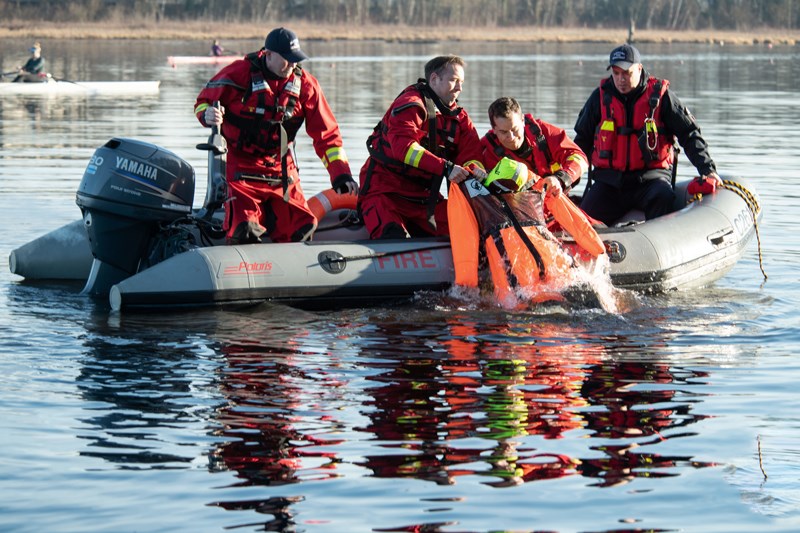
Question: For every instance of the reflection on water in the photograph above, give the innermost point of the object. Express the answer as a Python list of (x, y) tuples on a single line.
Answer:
[(273, 420), (145, 389), (443, 404), (502, 394)]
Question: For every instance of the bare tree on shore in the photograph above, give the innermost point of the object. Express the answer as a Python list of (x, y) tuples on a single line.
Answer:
[(653, 14)]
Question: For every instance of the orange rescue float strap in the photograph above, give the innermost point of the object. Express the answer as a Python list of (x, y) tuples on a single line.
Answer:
[(575, 222)]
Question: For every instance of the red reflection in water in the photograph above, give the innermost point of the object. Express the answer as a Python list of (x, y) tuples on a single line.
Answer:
[(458, 404), (426, 405)]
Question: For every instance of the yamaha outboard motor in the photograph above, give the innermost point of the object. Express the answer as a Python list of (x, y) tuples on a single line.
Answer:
[(128, 190)]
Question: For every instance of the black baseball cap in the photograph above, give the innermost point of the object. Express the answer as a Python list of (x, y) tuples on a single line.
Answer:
[(624, 57), (285, 43)]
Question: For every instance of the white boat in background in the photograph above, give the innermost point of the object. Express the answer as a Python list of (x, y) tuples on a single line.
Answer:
[(174, 61), (59, 86)]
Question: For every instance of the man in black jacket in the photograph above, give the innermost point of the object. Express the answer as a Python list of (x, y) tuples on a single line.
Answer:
[(627, 128)]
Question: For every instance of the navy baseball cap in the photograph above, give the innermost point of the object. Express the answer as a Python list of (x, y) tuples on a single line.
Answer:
[(285, 43), (624, 57)]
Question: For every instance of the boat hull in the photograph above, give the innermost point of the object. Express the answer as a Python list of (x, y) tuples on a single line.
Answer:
[(689, 248), (62, 254), (311, 274)]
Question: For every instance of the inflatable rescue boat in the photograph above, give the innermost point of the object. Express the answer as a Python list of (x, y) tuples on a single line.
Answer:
[(142, 245)]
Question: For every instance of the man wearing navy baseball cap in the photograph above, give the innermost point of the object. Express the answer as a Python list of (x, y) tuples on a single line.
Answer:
[(624, 57), (264, 99), (628, 128), (285, 43)]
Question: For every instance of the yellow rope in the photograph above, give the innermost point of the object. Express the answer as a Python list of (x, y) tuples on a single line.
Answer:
[(752, 204)]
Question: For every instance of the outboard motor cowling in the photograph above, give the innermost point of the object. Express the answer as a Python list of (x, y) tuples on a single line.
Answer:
[(128, 190)]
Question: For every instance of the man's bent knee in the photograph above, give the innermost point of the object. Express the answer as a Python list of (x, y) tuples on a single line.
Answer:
[(247, 233)]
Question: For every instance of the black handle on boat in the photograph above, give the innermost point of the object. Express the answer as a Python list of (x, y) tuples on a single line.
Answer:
[(675, 156), (216, 142), (216, 190), (345, 258)]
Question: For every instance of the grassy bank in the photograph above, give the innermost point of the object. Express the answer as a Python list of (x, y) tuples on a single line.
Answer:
[(195, 30)]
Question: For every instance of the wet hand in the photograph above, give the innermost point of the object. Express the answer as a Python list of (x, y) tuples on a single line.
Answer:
[(458, 174), (351, 187), (479, 174), (552, 186)]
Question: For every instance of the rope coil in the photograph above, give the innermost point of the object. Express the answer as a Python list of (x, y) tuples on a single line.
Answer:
[(752, 205)]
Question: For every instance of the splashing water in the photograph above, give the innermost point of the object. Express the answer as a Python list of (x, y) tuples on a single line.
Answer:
[(594, 276), (587, 285)]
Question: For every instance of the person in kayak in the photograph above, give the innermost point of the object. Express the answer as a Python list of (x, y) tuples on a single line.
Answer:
[(33, 69), (628, 127), (264, 100), (423, 139), (545, 149), (216, 49)]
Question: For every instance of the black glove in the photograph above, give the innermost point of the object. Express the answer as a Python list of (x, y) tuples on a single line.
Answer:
[(340, 184), (448, 168), (564, 179)]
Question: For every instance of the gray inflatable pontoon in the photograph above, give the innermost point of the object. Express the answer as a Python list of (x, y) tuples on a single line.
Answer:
[(691, 247)]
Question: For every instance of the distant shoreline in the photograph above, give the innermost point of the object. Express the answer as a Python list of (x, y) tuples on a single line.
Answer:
[(204, 31)]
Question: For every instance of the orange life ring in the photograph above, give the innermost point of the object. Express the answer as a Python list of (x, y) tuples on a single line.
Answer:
[(329, 200)]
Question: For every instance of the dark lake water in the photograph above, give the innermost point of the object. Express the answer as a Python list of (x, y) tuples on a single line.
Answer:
[(680, 414)]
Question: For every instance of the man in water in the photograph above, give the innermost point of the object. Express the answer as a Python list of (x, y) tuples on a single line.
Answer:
[(503, 220)]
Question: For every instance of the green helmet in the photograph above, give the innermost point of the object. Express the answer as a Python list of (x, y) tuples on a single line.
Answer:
[(507, 176)]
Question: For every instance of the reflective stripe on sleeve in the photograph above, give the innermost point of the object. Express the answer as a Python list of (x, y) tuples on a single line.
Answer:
[(414, 155), (333, 154)]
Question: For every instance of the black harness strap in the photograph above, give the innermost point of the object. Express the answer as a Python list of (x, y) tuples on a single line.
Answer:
[(436, 182), (497, 237), (524, 236), (541, 143)]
